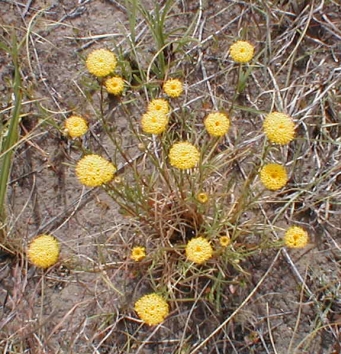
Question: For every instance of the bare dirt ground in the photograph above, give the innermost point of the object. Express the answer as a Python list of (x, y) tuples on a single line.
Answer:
[(84, 304)]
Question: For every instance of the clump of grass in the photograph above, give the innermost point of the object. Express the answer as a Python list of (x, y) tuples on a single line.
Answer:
[(9, 138)]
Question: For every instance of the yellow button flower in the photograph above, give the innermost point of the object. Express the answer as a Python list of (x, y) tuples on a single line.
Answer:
[(43, 251), (94, 170), (159, 105), (224, 241), (76, 126), (173, 88), (183, 155), (101, 62), (202, 197), (154, 122), (198, 250), (273, 176), (138, 253), (279, 128), (296, 237), (217, 124), (152, 309), (242, 51), (114, 85)]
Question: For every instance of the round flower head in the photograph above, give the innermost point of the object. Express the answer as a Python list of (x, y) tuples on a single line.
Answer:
[(152, 309), (273, 176), (242, 51), (158, 105), (202, 197), (154, 122), (217, 124), (296, 237), (94, 170), (173, 88), (101, 62), (279, 128), (43, 251), (76, 126), (224, 241), (198, 250), (183, 155), (138, 253), (114, 85)]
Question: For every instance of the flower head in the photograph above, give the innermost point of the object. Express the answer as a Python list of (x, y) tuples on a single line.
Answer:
[(242, 51), (94, 170), (159, 105), (114, 85), (273, 176), (76, 126), (101, 62), (43, 251), (202, 197), (152, 309), (138, 253), (296, 237), (224, 240), (217, 124), (198, 250), (173, 88), (154, 122), (279, 128), (183, 155)]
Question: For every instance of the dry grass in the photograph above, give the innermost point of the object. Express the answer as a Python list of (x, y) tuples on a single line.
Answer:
[(253, 297)]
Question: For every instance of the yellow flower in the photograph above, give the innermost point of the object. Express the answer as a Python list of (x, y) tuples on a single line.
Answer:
[(183, 155), (279, 128), (198, 250), (173, 88), (242, 51), (94, 170), (138, 253), (101, 62), (154, 122), (159, 105), (43, 251), (202, 197), (273, 176), (296, 237), (224, 240), (114, 85), (217, 124), (152, 309), (76, 126)]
